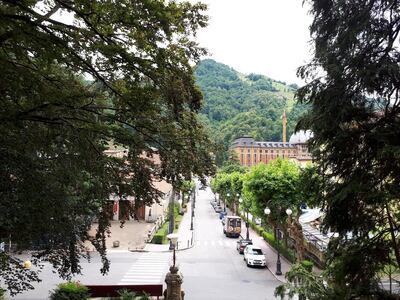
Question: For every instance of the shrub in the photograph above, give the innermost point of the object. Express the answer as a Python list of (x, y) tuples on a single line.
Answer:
[(308, 265), (2, 294), (129, 295), (70, 291), (287, 253), (158, 238)]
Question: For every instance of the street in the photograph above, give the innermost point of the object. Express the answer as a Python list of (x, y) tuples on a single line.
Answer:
[(212, 268)]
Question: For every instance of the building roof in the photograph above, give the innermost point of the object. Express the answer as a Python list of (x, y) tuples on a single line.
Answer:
[(246, 141), (300, 137)]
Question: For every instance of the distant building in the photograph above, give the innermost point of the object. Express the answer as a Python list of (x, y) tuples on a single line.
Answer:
[(251, 152), (118, 208)]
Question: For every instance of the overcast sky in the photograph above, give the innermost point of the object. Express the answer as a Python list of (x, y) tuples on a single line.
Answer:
[(269, 37)]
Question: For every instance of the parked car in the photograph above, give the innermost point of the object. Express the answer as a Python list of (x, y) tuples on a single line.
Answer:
[(241, 244), (222, 214), (218, 208), (253, 256), (214, 204)]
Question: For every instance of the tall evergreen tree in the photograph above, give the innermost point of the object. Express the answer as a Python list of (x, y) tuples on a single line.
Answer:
[(353, 91)]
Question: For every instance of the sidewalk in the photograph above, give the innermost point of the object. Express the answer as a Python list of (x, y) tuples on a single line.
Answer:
[(185, 235), (131, 236)]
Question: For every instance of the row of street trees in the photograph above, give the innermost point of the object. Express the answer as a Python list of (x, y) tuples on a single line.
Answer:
[(277, 185)]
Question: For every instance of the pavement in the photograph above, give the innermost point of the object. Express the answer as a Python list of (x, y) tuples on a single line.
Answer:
[(186, 236), (131, 236)]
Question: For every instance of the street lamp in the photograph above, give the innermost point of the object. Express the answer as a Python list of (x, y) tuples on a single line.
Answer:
[(227, 195), (192, 215), (234, 204), (267, 211), (173, 238), (247, 220)]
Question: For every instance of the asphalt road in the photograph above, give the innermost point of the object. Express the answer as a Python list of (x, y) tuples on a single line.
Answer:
[(212, 269)]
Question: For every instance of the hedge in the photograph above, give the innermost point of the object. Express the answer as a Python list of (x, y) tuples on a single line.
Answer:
[(160, 237)]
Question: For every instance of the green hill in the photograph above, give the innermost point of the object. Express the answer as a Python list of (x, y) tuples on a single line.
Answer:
[(236, 104)]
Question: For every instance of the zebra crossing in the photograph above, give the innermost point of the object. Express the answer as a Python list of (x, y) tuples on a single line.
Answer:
[(150, 268)]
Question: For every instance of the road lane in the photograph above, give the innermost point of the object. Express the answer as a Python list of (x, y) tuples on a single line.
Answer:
[(213, 269)]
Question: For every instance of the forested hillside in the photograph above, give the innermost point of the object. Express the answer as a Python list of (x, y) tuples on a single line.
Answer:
[(236, 104)]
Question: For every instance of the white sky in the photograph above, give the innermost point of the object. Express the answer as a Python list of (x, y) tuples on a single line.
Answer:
[(269, 37)]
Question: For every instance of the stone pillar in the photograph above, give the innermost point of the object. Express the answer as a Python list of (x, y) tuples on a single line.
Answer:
[(174, 280)]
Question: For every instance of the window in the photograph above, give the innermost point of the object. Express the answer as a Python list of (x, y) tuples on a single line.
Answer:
[(248, 150), (266, 151), (272, 151), (255, 157)]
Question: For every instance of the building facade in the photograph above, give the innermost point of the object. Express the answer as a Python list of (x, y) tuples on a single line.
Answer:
[(251, 152)]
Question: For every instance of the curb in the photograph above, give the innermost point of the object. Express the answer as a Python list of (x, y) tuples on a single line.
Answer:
[(276, 276)]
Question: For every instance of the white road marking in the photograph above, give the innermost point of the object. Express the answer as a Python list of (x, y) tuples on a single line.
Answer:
[(149, 268)]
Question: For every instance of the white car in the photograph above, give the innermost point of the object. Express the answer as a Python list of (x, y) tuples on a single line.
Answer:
[(254, 256)]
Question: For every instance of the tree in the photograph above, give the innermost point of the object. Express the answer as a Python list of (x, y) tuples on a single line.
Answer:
[(353, 91), (119, 73), (275, 186)]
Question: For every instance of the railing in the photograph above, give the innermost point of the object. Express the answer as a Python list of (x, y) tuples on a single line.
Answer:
[(316, 241), (154, 229)]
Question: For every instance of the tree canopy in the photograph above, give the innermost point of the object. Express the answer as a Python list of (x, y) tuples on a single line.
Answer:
[(76, 77), (275, 186), (353, 91)]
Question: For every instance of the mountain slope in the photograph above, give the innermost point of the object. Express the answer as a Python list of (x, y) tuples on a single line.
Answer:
[(236, 104)]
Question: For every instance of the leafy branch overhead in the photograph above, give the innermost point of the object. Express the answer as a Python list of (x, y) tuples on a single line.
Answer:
[(77, 78)]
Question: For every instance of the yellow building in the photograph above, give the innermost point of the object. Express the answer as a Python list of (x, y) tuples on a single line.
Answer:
[(251, 152)]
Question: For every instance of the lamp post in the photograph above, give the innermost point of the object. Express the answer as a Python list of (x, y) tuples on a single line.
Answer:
[(171, 215), (173, 238), (234, 203), (227, 196), (192, 215), (173, 279), (267, 211), (247, 220), (194, 200)]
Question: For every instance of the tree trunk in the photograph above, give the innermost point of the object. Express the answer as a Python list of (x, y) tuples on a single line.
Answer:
[(393, 237)]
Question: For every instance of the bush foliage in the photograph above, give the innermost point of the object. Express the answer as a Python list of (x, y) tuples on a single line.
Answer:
[(70, 291)]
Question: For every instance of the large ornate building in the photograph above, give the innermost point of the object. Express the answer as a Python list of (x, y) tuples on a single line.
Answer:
[(251, 152)]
